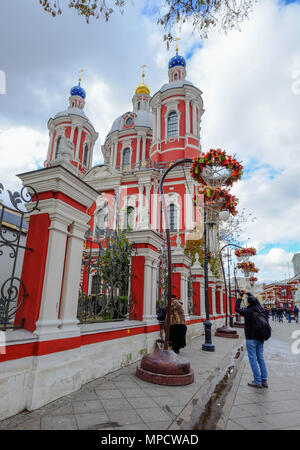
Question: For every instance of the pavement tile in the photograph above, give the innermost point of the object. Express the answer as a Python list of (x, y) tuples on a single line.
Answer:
[(88, 420), (282, 420), (163, 425), (87, 406), (142, 402), (281, 406), (125, 417), (58, 423), (136, 426), (83, 395), (253, 423), (116, 404), (239, 411), (33, 423), (105, 385), (153, 415), (107, 394), (231, 425), (131, 393)]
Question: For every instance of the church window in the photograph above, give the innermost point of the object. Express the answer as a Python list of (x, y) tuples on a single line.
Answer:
[(176, 76), (85, 156), (129, 225), (172, 124), (172, 216), (139, 105), (57, 151), (126, 157)]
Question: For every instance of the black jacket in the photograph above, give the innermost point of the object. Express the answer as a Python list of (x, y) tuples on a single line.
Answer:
[(250, 331)]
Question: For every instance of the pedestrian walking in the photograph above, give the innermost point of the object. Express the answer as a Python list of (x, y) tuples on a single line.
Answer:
[(288, 314), (257, 329), (296, 313), (279, 314), (177, 325), (273, 312)]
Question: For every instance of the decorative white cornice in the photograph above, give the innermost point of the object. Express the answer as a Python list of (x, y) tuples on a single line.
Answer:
[(59, 179)]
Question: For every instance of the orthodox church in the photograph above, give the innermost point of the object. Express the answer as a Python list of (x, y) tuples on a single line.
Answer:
[(141, 143)]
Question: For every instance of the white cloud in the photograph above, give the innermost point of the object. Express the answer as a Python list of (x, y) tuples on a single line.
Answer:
[(21, 149)]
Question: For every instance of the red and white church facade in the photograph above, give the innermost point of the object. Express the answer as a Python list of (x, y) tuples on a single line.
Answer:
[(53, 355)]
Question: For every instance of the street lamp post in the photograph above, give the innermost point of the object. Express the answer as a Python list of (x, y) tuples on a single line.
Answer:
[(207, 346), (229, 289)]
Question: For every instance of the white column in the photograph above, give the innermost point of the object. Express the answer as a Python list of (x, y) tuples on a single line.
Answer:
[(148, 290), (202, 298), (154, 204), (194, 119), (158, 129), (48, 318), (154, 124), (140, 205), (138, 151), (73, 261), (78, 143), (187, 116), (144, 148), (147, 206)]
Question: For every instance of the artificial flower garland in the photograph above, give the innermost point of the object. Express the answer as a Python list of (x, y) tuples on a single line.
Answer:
[(245, 252), (218, 158)]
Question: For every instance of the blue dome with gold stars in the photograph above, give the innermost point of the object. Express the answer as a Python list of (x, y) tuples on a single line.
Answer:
[(78, 90), (177, 60)]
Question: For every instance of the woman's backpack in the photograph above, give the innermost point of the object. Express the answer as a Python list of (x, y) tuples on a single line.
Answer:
[(262, 326), (161, 315)]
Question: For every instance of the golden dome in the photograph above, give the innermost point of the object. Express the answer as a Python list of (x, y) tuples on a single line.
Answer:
[(142, 88)]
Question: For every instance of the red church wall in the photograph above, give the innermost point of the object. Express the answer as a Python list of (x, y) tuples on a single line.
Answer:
[(33, 270), (176, 278), (196, 298), (137, 286)]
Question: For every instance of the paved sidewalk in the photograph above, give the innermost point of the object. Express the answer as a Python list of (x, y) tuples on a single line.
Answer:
[(277, 407), (121, 401)]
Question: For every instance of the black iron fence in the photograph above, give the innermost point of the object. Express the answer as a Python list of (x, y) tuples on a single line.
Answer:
[(106, 280), (13, 230)]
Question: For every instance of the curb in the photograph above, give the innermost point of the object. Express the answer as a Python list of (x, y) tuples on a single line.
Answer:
[(190, 416)]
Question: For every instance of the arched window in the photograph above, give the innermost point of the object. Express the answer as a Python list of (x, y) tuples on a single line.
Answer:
[(172, 216), (175, 76), (57, 152), (126, 157), (85, 156), (139, 105), (102, 220), (129, 225), (172, 124)]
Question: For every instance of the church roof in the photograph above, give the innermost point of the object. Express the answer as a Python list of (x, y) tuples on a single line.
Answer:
[(142, 119), (176, 84)]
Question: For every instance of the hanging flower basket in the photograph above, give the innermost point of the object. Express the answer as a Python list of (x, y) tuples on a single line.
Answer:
[(253, 279), (247, 267), (245, 252), (219, 199), (216, 168)]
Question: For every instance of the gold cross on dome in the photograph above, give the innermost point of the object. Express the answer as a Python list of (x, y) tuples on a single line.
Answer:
[(143, 73), (177, 39), (80, 75)]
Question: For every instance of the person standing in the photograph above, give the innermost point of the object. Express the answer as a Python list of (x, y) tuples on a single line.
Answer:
[(273, 312), (255, 347), (177, 325), (288, 314), (296, 313), (280, 314)]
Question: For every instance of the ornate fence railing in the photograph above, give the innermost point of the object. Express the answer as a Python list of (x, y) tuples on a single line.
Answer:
[(106, 280), (13, 230)]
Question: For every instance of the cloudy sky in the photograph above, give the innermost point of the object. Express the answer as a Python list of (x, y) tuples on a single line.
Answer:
[(250, 81)]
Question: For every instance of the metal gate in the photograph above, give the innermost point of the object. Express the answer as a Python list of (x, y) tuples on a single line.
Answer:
[(106, 279), (13, 230)]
